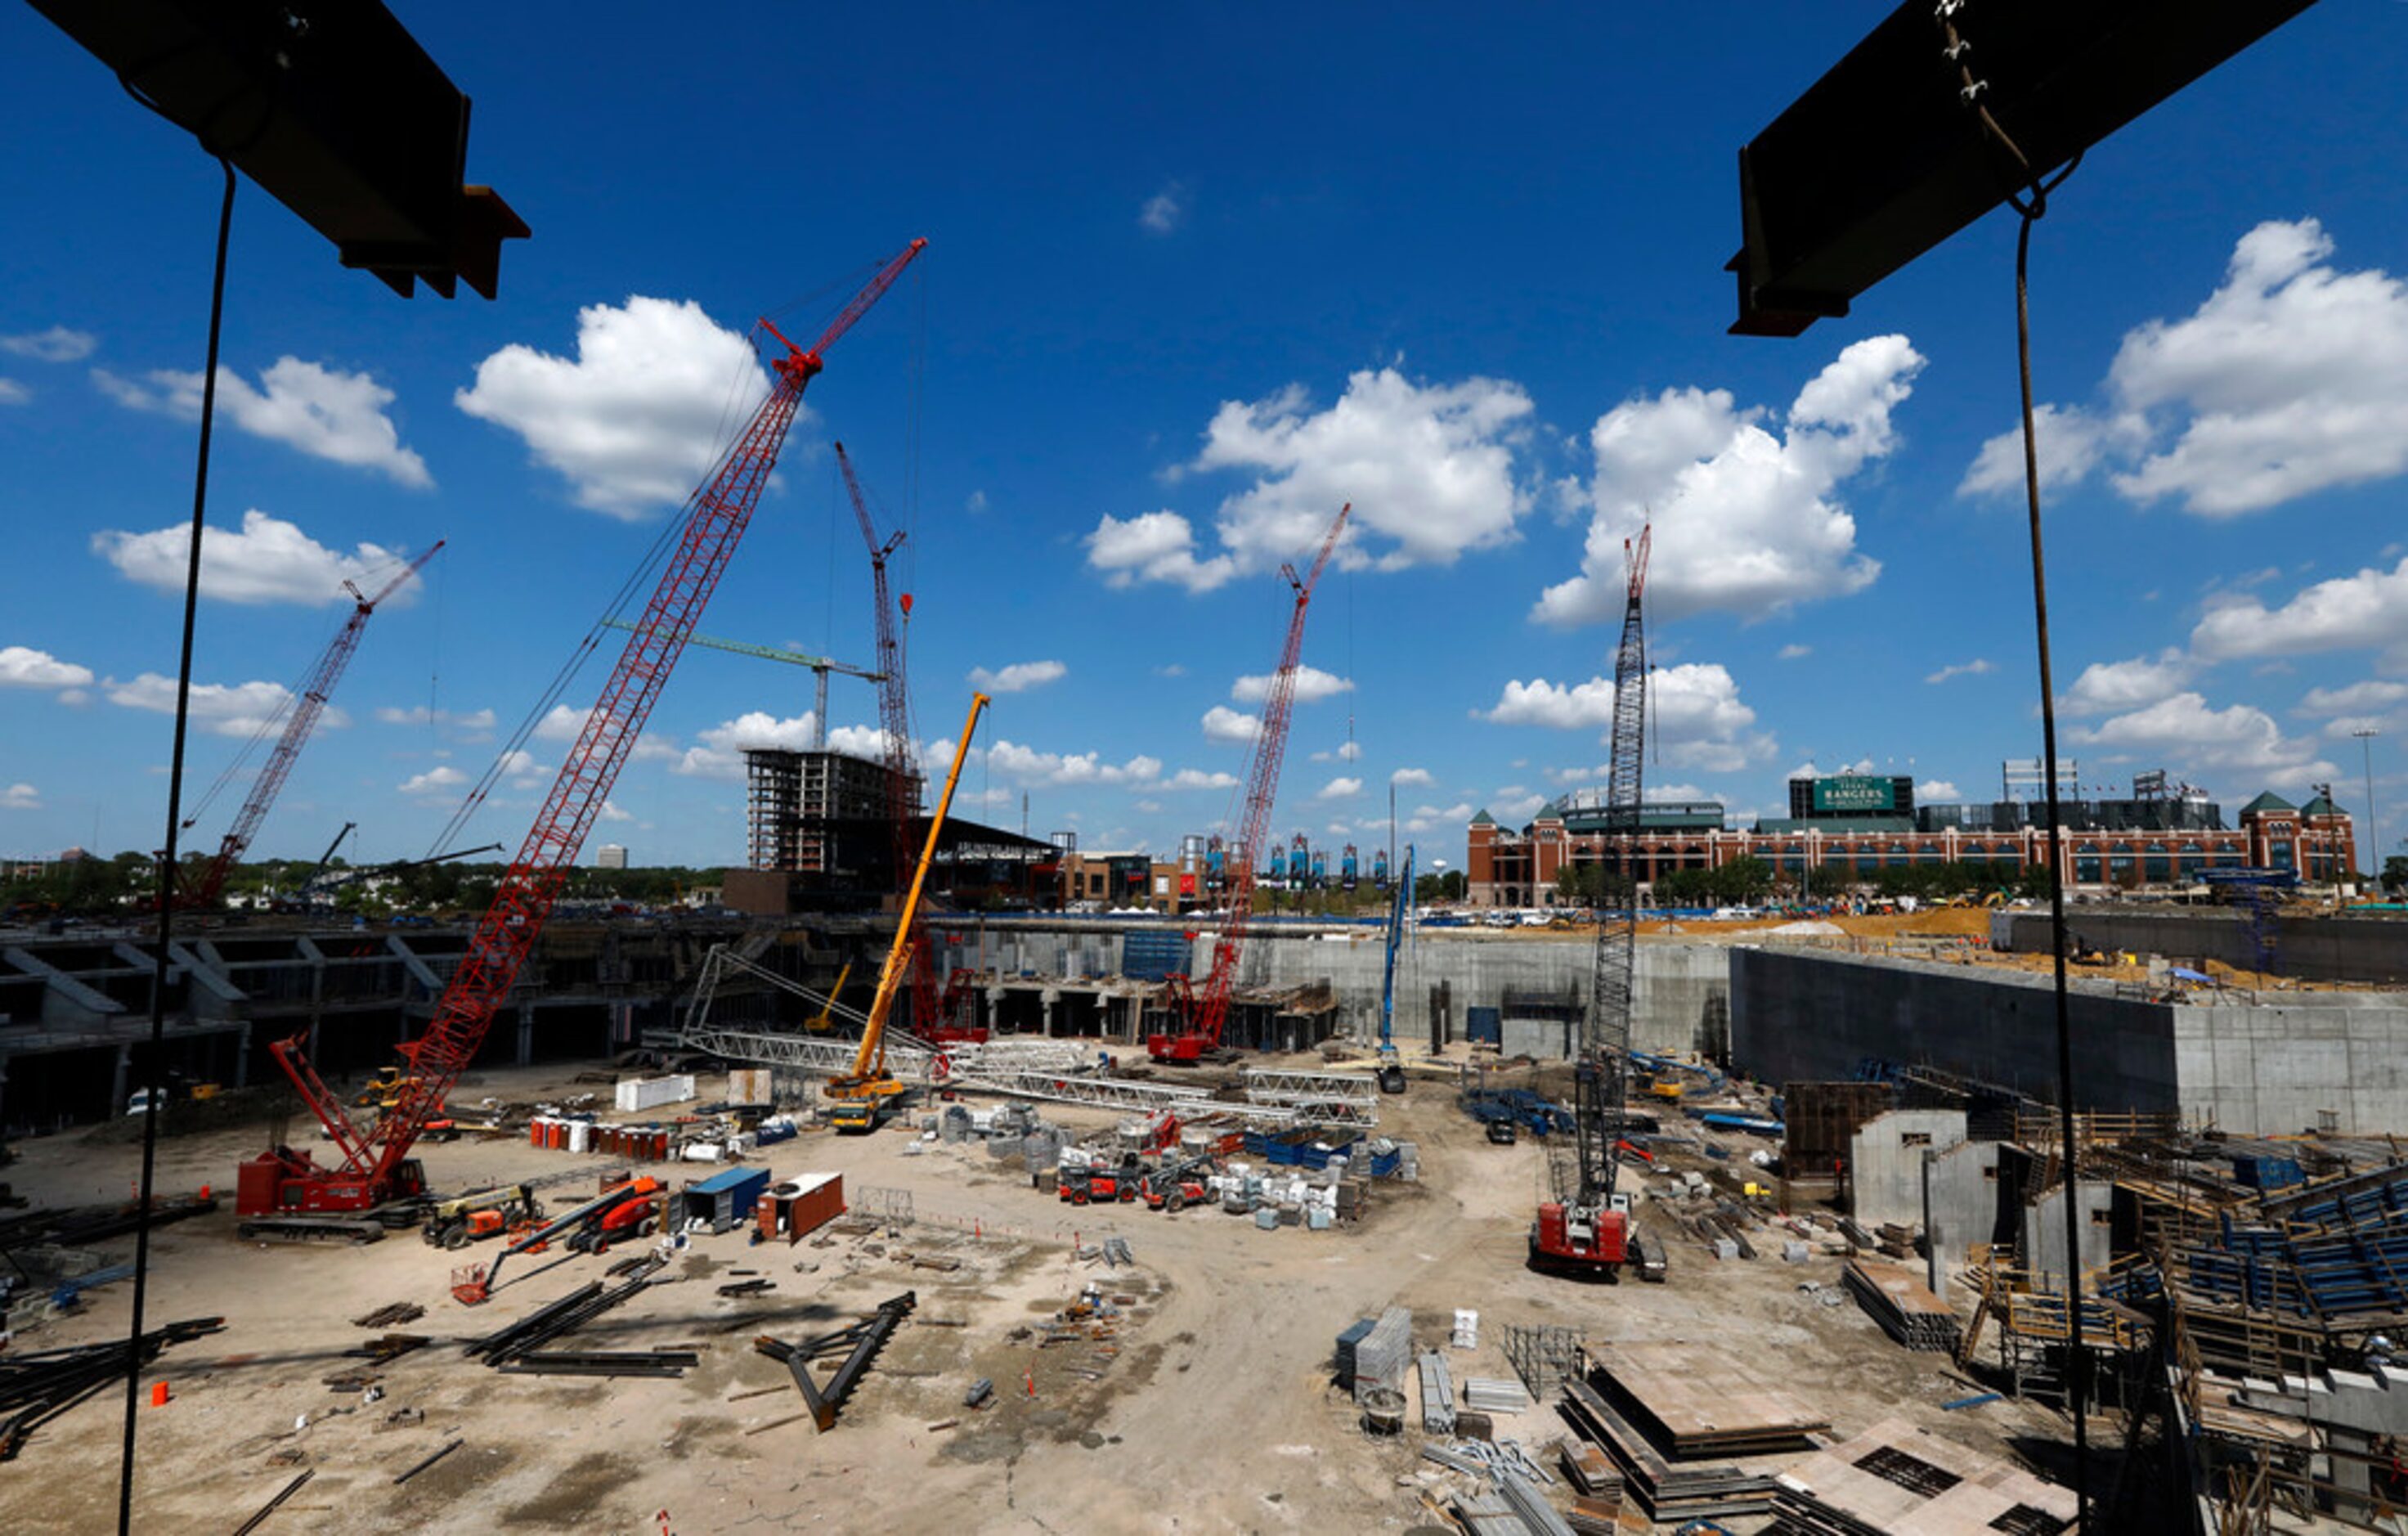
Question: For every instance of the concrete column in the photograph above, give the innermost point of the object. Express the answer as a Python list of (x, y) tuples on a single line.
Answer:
[(242, 1056), (1048, 997), (117, 1083), (527, 1034)]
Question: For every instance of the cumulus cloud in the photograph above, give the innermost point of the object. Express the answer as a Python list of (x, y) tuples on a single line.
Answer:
[(1404, 776), (473, 726), (1340, 789), (224, 709), (1165, 210), (1430, 469), (1199, 779), (1350, 751), (22, 666), (719, 752), (1937, 792), (1224, 723), (610, 812), (1794, 652), (1744, 519), (2291, 379), (436, 781), (1029, 766), (322, 412), (1962, 670), (56, 345), (20, 798), (2365, 611), (1696, 718), (2239, 740), (2111, 687), (637, 419), (267, 560), (2364, 697), (1019, 677), (14, 394), (1313, 684)]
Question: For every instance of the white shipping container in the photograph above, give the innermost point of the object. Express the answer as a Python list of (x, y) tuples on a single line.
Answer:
[(638, 1094), (748, 1086)]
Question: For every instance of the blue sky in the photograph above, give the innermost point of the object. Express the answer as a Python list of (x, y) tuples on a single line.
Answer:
[(1188, 287)]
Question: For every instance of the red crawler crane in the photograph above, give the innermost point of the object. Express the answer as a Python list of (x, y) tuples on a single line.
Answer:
[(1202, 1016), (902, 769), (377, 1169), (202, 889)]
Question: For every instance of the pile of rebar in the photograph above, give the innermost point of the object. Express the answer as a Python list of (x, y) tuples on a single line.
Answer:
[(557, 1319), (38, 1387)]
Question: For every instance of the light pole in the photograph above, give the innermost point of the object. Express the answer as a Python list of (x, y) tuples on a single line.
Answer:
[(2366, 735)]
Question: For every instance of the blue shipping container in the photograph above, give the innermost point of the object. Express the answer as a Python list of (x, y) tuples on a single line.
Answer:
[(1486, 1025)]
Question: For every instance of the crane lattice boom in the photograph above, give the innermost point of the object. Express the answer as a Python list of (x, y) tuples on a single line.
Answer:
[(372, 1170), (309, 707), (1210, 1011)]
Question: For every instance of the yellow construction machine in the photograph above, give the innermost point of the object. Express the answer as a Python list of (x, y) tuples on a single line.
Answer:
[(819, 1023), (859, 1098)]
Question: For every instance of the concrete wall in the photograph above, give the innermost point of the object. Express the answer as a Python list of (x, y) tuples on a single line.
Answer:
[(1799, 1015), (2270, 1069), (1680, 990), (1886, 1171), (2316, 949), (2277, 1067), (2042, 1248)]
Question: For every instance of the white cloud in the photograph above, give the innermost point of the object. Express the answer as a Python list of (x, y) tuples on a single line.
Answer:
[(1340, 789), (1165, 210), (14, 394), (2069, 441), (610, 812), (2111, 687), (322, 412), (2291, 378), (1019, 677), (636, 421), (975, 503), (1430, 469), (1973, 669), (433, 782), (1154, 547), (21, 666), (20, 798), (1026, 766), (566, 724), (1404, 776), (720, 751), (1151, 808), (2364, 697), (520, 767), (223, 709), (1937, 792), (1313, 684), (56, 345), (2369, 609), (1199, 779), (1224, 723), (1170, 669), (2236, 739), (1350, 751), (1694, 716), (1794, 652), (1743, 520), (267, 560)]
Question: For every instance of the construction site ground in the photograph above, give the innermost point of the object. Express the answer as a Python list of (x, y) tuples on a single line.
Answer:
[(1207, 1406)]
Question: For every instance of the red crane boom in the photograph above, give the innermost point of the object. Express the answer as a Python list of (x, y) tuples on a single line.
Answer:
[(307, 707), (1207, 1014), (894, 726), (376, 1166)]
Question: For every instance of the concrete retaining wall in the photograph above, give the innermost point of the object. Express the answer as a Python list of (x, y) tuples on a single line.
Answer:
[(2273, 1067), (2317, 949)]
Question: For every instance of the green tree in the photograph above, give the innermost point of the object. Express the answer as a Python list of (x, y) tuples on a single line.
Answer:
[(2395, 873)]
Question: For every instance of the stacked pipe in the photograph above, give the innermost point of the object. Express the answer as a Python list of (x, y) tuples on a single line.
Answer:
[(556, 1320)]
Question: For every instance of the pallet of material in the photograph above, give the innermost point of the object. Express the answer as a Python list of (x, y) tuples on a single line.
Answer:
[(1663, 1491), (1896, 1480), (1896, 1297), (1595, 1516), (1692, 1398), (1587, 1470)]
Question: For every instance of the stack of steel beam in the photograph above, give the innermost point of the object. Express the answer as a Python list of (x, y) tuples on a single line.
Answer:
[(1495, 1394), (1898, 1300), (1437, 1395)]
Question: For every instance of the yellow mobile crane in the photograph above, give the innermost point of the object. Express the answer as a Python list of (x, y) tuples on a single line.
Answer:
[(860, 1097)]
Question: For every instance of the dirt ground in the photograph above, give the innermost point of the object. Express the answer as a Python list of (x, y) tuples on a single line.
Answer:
[(1207, 1406)]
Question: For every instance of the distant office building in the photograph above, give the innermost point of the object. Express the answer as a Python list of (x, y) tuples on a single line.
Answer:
[(610, 855)]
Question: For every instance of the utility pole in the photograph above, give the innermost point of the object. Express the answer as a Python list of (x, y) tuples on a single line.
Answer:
[(2366, 735)]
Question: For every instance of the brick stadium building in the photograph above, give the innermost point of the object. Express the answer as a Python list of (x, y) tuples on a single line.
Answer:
[(1862, 825)]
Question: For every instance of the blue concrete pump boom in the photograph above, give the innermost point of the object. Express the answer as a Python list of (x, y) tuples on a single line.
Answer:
[(1392, 1070)]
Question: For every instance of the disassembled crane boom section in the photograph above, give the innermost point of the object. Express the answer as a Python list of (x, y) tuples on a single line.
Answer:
[(870, 1083), (1202, 1018), (1584, 1231), (309, 707), (376, 1167)]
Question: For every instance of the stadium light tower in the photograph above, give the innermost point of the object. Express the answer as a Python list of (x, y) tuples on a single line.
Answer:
[(2366, 735)]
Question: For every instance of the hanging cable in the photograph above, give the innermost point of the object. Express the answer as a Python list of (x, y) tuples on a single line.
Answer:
[(153, 1063), (2026, 193)]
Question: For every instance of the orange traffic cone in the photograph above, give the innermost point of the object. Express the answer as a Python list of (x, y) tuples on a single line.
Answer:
[(158, 1394)]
